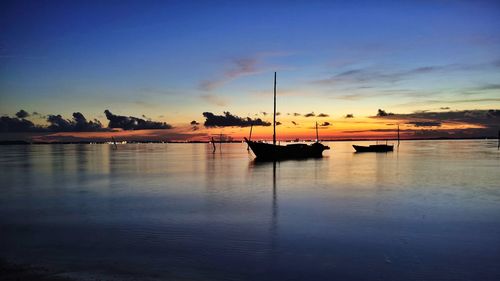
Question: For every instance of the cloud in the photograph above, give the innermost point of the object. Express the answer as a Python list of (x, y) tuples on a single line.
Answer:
[(263, 113), (295, 123), (213, 99), (323, 115), (486, 122), (349, 115), (487, 87), (278, 123), (382, 113), (56, 124), (133, 123), (229, 120), (78, 124), (456, 101), (424, 123), (239, 67), (243, 66), (22, 114), (310, 114), (296, 114), (371, 74), (444, 108), (194, 125), (325, 124), (15, 125)]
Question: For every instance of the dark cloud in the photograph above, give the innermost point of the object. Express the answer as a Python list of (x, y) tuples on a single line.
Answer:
[(349, 115), (323, 115), (295, 123), (79, 124), (82, 125), (15, 125), (278, 113), (194, 125), (56, 124), (325, 124), (296, 114), (278, 123), (229, 120), (22, 114), (263, 113), (310, 114), (133, 123), (382, 113), (488, 121), (424, 123), (444, 108)]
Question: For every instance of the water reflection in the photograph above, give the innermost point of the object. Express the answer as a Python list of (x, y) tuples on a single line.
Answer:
[(181, 211)]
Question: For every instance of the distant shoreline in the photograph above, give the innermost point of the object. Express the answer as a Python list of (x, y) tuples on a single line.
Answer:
[(21, 142)]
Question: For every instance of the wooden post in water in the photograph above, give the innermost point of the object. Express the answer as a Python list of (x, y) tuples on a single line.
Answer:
[(274, 114), (220, 142), (398, 134), (114, 143), (213, 144)]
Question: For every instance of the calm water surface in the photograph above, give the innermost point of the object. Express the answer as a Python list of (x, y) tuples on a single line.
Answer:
[(428, 211)]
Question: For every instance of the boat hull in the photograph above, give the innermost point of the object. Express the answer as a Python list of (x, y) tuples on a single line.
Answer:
[(266, 151), (374, 148)]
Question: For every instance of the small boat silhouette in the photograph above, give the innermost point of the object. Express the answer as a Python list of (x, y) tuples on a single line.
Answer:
[(267, 151), (376, 147)]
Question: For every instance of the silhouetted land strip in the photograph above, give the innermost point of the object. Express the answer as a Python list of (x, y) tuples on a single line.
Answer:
[(21, 142)]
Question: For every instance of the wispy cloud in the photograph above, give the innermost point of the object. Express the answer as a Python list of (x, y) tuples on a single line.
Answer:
[(214, 99), (378, 75), (486, 119), (447, 101), (363, 75), (241, 66)]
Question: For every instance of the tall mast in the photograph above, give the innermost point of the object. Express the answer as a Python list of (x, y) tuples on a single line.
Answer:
[(274, 114), (317, 136)]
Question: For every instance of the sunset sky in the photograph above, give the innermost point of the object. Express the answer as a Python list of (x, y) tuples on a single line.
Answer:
[(433, 67)]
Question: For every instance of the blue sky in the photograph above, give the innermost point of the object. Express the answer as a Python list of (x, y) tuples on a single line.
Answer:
[(173, 60)]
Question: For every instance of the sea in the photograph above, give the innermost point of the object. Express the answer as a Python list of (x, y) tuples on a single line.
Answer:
[(429, 210)]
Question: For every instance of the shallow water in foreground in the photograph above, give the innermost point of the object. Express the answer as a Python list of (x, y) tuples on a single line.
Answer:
[(427, 211)]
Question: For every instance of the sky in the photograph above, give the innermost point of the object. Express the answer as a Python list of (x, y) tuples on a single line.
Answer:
[(431, 67)]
